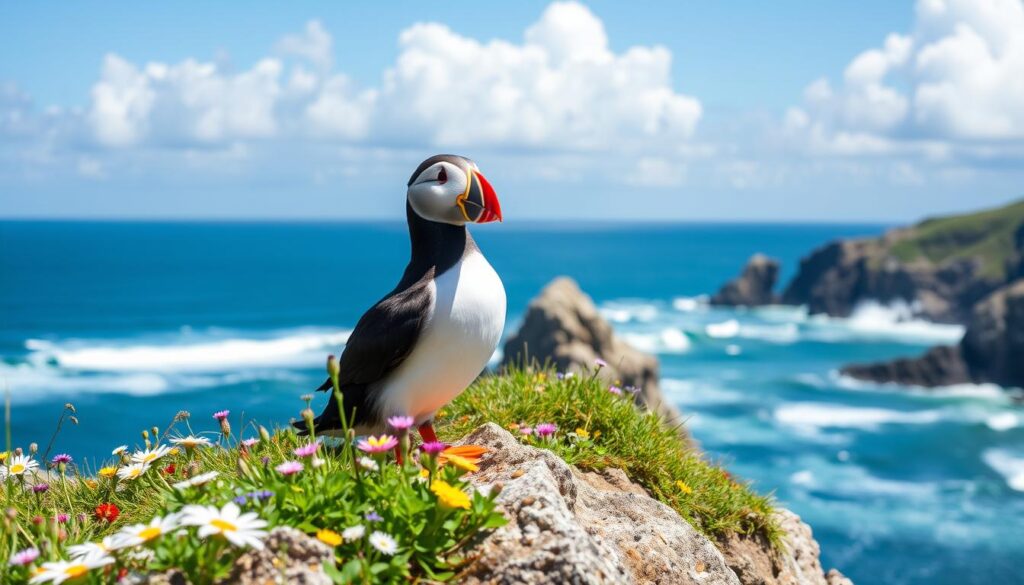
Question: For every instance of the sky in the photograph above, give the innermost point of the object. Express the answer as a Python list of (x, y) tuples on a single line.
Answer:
[(727, 111)]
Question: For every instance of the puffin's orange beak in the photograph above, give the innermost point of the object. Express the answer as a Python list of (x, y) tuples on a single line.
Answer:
[(491, 207)]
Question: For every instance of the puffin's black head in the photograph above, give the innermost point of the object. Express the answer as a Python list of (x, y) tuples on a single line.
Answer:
[(448, 188)]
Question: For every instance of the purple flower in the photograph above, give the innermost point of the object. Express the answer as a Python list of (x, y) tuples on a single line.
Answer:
[(400, 423), (632, 389), (307, 450), (62, 518), (379, 444), (373, 516), (546, 429), (615, 390), (560, 375), (433, 447), (265, 460), (261, 495), (600, 363), (221, 414), (240, 500), (61, 458), (526, 430), (24, 557), (289, 468), (40, 488)]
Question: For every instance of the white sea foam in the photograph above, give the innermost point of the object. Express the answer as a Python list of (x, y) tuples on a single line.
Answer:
[(694, 392), (628, 311), (1007, 464), (985, 392), (689, 304), (820, 416), (723, 330), (288, 348), (1003, 421), (872, 321), (668, 340)]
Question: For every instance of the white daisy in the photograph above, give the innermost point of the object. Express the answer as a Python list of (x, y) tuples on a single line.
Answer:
[(198, 480), (18, 465), (93, 549), (61, 571), (353, 532), (239, 529), (150, 455), (119, 450), (132, 471), (384, 543), (191, 441), (368, 464), (137, 534)]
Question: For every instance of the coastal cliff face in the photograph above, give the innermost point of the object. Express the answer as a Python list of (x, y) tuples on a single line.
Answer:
[(753, 287), (940, 267)]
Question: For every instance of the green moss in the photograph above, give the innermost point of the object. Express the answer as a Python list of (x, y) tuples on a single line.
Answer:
[(620, 435), (988, 235)]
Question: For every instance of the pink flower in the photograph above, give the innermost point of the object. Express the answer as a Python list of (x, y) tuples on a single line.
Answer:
[(250, 442), (307, 450), (615, 390), (433, 447), (546, 429), (400, 423), (378, 444), (62, 518), (221, 414), (24, 557), (289, 468), (601, 363), (526, 430), (62, 458)]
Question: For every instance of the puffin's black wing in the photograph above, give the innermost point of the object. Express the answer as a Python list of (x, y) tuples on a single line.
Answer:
[(382, 339)]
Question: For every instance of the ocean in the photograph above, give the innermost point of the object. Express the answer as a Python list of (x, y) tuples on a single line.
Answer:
[(135, 321)]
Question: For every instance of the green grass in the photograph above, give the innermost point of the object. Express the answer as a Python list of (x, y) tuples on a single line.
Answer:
[(988, 235), (620, 435)]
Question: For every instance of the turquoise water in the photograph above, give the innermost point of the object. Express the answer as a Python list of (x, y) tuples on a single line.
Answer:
[(133, 322)]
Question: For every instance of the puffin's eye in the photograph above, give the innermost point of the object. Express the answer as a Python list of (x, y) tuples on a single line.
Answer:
[(442, 176)]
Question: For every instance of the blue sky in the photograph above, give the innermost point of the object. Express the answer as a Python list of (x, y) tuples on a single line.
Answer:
[(736, 111)]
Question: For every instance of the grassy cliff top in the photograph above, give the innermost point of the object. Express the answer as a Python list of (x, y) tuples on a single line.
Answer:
[(988, 235), (600, 428)]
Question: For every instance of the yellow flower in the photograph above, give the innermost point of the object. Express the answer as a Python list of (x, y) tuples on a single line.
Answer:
[(174, 451), (108, 471), (597, 434), (449, 496), (91, 483), (461, 462), (683, 487), (583, 433), (328, 537), (442, 413), (3, 456), (424, 473)]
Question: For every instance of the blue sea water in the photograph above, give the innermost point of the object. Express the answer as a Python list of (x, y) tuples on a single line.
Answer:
[(133, 322)]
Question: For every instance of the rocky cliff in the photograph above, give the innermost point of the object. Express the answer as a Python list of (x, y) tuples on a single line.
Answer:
[(753, 287), (940, 267), (992, 349)]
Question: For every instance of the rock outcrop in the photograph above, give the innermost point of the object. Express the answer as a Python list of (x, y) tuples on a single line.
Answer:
[(563, 328), (753, 287), (992, 350), (940, 267), (566, 526)]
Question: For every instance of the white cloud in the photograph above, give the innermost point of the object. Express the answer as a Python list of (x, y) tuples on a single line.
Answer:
[(314, 44), (561, 89), (950, 87)]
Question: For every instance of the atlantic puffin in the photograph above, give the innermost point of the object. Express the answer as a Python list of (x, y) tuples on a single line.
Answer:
[(422, 344)]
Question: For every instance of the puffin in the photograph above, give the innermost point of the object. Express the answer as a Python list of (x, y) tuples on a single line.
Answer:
[(428, 339)]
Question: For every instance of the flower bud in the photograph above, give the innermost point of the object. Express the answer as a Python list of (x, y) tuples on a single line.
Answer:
[(225, 427), (307, 415), (33, 448), (70, 407), (332, 367), (264, 433), (156, 433)]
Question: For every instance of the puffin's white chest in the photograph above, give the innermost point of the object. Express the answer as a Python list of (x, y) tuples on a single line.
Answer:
[(466, 319)]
